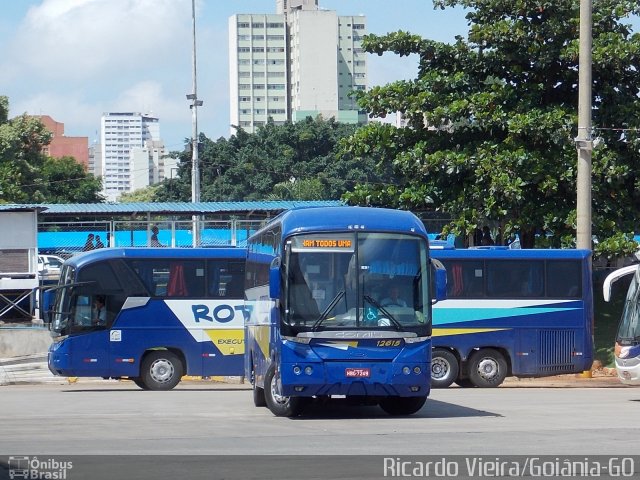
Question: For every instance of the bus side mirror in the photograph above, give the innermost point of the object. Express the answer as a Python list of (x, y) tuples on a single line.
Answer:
[(48, 297), (274, 278), (439, 279)]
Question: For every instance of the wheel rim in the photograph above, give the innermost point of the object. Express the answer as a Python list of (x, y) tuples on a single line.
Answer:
[(276, 391), (488, 368), (440, 368), (162, 370)]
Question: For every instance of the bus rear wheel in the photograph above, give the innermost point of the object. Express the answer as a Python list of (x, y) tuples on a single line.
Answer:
[(402, 405), (444, 368), (487, 368), (161, 370), (280, 405)]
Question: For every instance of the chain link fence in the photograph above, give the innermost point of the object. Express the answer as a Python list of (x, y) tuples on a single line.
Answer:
[(68, 238)]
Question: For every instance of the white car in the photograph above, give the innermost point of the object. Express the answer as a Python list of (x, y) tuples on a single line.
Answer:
[(49, 266)]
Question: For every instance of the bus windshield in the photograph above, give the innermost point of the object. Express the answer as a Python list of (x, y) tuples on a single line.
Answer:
[(61, 307), (629, 328), (356, 281)]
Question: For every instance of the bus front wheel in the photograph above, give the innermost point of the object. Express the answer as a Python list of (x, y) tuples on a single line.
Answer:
[(487, 368), (402, 405), (444, 368), (161, 370), (280, 405)]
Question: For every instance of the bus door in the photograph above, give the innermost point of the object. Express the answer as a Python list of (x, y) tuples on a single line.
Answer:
[(89, 343)]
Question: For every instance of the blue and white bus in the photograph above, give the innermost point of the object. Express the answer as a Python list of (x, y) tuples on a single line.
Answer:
[(527, 313), (627, 346), (322, 321), (149, 314)]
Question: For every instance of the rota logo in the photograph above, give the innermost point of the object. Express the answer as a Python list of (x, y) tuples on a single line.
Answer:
[(221, 313)]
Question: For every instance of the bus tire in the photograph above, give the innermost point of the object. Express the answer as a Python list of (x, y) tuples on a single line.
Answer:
[(258, 393), (161, 370), (487, 368), (402, 405), (444, 368), (280, 405)]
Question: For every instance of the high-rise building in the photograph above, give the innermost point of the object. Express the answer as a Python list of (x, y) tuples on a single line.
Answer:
[(129, 142), (301, 61)]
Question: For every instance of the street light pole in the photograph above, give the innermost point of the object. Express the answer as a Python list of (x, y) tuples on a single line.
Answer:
[(584, 142), (195, 103)]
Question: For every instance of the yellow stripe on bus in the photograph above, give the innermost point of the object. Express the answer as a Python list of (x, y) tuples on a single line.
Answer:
[(441, 332)]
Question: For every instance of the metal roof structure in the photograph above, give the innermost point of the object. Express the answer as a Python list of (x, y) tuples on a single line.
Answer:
[(166, 208)]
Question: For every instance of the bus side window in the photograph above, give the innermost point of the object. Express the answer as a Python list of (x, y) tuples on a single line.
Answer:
[(465, 279)]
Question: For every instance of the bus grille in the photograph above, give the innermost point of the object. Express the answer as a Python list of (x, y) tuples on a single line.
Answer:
[(556, 348)]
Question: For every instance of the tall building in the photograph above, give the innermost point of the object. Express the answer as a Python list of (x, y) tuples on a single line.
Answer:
[(63, 146), (130, 143), (301, 61)]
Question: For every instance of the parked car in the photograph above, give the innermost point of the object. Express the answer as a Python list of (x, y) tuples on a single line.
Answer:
[(49, 266)]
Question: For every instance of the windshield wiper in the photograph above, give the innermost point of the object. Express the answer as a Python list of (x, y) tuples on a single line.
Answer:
[(393, 320), (323, 316)]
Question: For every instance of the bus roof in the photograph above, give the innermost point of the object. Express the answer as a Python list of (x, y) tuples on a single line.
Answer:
[(510, 254), (100, 254), (328, 219)]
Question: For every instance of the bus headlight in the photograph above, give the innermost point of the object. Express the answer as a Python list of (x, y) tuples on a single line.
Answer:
[(406, 370), (308, 370), (297, 370), (417, 370)]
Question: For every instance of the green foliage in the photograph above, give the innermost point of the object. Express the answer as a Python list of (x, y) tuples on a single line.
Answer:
[(143, 195), (63, 180), (294, 161), (29, 176), (617, 245), (492, 121)]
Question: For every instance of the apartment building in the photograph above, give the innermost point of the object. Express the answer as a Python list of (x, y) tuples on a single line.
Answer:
[(125, 138), (62, 145), (301, 61)]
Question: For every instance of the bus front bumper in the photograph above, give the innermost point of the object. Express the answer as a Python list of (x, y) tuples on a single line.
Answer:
[(307, 379)]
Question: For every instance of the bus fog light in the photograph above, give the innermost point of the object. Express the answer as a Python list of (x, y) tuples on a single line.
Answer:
[(406, 370), (297, 370), (417, 370), (414, 388), (308, 370), (298, 388)]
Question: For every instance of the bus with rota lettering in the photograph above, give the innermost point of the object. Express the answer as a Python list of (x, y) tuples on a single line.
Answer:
[(627, 346), (323, 319), (512, 312), (150, 315)]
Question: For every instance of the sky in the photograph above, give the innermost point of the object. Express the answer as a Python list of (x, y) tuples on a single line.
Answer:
[(77, 59)]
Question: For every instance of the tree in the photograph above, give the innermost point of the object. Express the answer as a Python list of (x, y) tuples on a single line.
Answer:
[(492, 120), (294, 161), (65, 181), (29, 176), (147, 194)]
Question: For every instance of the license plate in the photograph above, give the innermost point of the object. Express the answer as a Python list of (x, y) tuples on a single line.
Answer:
[(357, 372)]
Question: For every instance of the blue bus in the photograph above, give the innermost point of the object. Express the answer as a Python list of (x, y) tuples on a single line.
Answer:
[(527, 313), (627, 346), (149, 314), (323, 320)]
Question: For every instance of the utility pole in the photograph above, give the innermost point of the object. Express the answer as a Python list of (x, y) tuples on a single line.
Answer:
[(195, 103), (584, 142)]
